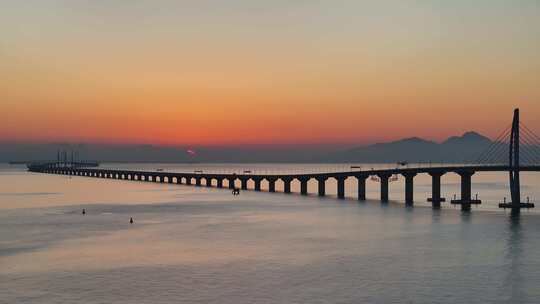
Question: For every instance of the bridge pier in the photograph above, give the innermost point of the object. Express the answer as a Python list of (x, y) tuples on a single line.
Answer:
[(208, 182), (286, 184), (361, 187), (409, 188), (466, 201), (466, 186), (257, 182), (322, 186), (340, 187), (303, 185), (271, 184), (244, 183), (384, 187), (220, 182), (436, 198), (231, 182)]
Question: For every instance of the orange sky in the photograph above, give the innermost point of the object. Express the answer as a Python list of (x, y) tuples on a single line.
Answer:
[(206, 73)]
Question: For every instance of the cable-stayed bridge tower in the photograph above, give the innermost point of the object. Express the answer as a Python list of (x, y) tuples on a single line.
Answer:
[(514, 168)]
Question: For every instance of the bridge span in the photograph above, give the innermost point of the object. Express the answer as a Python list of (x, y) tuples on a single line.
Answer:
[(496, 152), (383, 175)]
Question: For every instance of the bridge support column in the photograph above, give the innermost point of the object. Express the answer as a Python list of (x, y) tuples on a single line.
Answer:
[(409, 188), (244, 183), (466, 191), (257, 182), (322, 186), (286, 185), (361, 187), (198, 181), (303, 186), (170, 179), (220, 182), (466, 200), (384, 187), (231, 182), (188, 180), (436, 198), (271, 184), (208, 182), (340, 187)]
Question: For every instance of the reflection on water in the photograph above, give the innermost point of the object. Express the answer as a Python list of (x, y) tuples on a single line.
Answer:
[(199, 245), (514, 278)]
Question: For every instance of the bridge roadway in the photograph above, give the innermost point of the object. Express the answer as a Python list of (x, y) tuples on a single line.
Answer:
[(464, 171)]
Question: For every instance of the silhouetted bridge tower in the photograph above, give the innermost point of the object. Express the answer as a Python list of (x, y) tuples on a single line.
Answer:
[(494, 159), (513, 165)]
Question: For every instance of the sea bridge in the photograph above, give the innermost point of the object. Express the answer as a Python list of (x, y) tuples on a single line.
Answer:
[(488, 161)]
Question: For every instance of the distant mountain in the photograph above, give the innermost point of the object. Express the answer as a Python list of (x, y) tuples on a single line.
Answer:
[(463, 148), (455, 149), (469, 138)]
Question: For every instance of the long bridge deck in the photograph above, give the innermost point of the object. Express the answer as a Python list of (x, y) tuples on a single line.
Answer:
[(383, 175)]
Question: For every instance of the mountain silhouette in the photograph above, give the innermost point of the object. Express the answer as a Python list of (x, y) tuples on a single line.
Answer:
[(463, 148)]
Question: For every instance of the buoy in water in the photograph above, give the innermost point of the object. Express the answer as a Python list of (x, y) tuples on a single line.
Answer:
[(84, 211), (131, 220)]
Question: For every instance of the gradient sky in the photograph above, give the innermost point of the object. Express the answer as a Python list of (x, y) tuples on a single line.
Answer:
[(277, 71)]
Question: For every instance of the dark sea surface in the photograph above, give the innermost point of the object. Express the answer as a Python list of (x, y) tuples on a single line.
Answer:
[(203, 245)]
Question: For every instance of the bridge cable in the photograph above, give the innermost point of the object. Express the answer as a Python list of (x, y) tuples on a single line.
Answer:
[(535, 144), (530, 133), (531, 153), (494, 156), (532, 145), (525, 155), (529, 130), (494, 145), (498, 155)]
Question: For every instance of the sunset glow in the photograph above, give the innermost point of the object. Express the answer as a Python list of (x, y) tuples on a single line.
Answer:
[(253, 72)]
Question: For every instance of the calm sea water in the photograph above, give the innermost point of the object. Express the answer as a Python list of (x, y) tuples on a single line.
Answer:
[(200, 245)]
